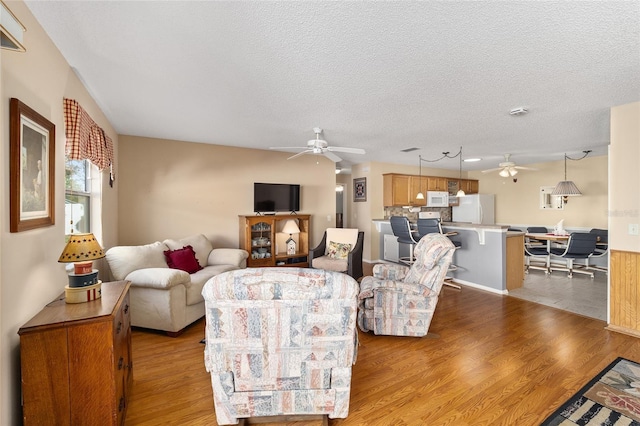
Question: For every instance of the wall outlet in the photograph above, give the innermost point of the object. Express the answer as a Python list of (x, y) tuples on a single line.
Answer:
[(633, 229)]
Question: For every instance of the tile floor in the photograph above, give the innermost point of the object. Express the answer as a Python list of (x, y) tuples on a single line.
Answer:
[(580, 294)]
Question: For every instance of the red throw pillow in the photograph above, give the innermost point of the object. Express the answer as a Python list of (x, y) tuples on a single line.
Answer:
[(183, 259)]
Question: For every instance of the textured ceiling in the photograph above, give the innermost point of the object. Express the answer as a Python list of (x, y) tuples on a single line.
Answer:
[(382, 76)]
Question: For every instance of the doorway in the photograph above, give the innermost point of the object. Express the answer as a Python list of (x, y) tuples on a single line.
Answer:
[(340, 205)]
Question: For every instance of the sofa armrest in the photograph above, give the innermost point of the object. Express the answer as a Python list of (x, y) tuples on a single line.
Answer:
[(228, 256), (162, 278)]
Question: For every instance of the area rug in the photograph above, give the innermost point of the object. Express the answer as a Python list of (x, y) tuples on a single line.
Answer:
[(610, 398)]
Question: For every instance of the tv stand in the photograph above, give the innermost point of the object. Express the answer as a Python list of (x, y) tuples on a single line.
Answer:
[(262, 237)]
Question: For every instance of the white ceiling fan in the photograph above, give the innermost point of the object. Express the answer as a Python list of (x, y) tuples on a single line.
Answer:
[(320, 147), (508, 168)]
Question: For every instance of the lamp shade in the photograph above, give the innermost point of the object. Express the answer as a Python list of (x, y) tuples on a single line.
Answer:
[(291, 227), (81, 248), (566, 188)]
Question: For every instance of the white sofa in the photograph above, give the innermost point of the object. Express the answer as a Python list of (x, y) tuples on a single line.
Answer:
[(163, 298)]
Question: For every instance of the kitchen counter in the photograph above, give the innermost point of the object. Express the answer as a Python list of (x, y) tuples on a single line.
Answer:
[(484, 260)]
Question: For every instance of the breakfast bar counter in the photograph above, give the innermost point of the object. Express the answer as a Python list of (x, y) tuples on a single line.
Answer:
[(490, 257)]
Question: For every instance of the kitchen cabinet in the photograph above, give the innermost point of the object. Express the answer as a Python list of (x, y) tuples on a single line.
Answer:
[(76, 361), (262, 237), (401, 190)]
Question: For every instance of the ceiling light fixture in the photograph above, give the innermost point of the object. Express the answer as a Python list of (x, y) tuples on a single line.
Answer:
[(471, 160), (420, 195), (460, 192), (519, 111), (567, 188)]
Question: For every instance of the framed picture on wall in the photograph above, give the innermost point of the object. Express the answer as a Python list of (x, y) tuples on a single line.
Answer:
[(360, 189), (32, 168)]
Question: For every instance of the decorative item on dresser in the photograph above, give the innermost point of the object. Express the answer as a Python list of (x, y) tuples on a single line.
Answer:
[(76, 361), (82, 250)]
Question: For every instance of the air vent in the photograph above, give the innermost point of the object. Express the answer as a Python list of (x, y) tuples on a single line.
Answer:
[(409, 149)]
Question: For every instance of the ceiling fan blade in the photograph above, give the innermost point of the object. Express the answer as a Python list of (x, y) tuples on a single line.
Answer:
[(524, 168), (299, 154), (347, 150), (331, 156), (491, 170), (288, 148)]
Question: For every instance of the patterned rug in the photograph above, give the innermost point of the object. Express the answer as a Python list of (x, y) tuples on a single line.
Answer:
[(610, 398)]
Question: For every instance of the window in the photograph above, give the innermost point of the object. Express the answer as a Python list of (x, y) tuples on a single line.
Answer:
[(77, 203)]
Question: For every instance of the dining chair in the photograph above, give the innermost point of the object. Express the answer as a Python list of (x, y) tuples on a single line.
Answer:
[(580, 246), (602, 248), (402, 230)]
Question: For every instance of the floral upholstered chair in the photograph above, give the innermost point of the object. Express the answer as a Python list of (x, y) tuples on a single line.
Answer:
[(280, 342), (340, 250), (399, 300)]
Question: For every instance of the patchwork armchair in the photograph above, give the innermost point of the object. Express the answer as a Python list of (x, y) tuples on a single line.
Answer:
[(280, 342), (399, 300)]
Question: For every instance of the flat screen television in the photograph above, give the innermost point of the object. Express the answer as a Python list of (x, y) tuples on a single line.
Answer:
[(276, 197)]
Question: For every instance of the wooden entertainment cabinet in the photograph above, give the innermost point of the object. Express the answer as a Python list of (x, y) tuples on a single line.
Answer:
[(263, 238), (76, 361)]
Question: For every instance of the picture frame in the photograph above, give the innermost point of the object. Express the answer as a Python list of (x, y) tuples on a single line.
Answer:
[(31, 169), (360, 189)]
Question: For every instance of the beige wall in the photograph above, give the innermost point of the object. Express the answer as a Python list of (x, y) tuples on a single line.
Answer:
[(519, 203), (171, 189), (624, 155), (30, 275)]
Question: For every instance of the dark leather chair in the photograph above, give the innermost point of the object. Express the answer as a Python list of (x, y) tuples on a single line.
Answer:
[(402, 230), (352, 265), (581, 245)]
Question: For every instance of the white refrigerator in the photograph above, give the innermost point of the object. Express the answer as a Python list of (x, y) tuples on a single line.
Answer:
[(475, 208)]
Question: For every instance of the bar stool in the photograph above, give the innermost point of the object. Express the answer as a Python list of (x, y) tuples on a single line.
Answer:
[(433, 226), (402, 230)]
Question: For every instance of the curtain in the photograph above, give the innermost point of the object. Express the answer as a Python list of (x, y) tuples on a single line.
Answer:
[(85, 139)]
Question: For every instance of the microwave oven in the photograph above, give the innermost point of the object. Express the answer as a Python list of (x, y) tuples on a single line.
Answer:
[(437, 199)]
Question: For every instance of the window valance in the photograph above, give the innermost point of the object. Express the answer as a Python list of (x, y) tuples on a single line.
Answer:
[(85, 139)]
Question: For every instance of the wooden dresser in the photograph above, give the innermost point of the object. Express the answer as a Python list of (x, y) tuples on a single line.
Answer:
[(76, 361)]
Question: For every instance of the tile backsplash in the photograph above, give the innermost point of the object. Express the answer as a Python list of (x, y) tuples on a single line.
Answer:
[(445, 213)]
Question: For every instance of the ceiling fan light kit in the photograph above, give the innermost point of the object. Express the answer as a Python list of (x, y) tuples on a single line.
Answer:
[(319, 146)]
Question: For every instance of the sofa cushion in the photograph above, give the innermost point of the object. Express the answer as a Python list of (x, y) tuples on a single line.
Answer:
[(125, 259), (198, 280), (227, 256), (163, 278), (328, 264), (342, 235), (201, 246), (338, 250), (183, 259)]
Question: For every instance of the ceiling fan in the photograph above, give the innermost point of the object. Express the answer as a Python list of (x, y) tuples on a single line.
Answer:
[(508, 168), (320, 147)]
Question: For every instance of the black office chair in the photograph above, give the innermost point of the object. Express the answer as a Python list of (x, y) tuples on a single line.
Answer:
[(581, 245), (402, 230), (433, 226), (602, 248)]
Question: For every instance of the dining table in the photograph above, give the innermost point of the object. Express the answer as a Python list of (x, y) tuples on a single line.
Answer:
[(549, 238)]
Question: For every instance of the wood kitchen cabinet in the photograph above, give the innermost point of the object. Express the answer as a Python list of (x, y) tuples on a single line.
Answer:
[(401, 190), (259, 236), (76, 361)]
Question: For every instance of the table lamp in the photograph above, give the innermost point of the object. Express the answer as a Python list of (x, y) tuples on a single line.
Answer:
[(290, 227), (82, 250)]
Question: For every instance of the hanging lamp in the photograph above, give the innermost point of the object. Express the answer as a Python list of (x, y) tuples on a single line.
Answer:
[(567, 188), (460, 192), (420, 195)]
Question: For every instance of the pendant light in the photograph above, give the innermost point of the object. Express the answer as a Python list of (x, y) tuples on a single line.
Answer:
[(420, 195), (460, 192), (567, 188)]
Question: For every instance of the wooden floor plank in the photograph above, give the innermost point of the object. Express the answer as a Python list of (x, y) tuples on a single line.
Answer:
[(498, 361)]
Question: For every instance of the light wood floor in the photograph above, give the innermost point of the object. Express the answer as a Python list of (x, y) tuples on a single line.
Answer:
[(498, 360)]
